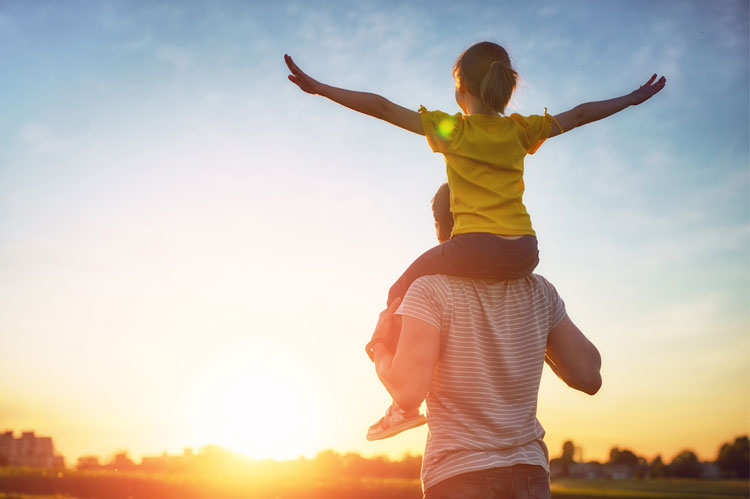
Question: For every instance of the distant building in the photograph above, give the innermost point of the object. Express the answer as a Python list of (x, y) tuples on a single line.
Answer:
[(710, 471), (590, 470), (167, 462), (29, 450), (88, 463)]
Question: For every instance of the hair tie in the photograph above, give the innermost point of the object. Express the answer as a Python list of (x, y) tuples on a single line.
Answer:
[(501, 63)]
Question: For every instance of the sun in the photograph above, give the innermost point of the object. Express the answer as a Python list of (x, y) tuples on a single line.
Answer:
[(259, 413)]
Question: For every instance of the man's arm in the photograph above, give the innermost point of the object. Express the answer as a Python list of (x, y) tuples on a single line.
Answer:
[(407, 373), (573, 357)]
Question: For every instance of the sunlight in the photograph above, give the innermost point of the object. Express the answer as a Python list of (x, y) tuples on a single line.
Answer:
[(253, 411)]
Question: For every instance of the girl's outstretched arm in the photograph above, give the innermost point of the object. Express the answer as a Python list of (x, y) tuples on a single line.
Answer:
[(594, 111), (371, 104)]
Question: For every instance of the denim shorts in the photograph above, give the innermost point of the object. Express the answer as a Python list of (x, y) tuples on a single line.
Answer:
[(521, 481)]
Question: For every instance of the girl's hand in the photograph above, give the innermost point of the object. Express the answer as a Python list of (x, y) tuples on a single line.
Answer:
[(363, 102), (648, 90), (387, 331), (299, 78)]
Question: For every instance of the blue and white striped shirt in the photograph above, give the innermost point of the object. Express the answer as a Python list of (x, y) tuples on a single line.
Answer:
[(481, 407)]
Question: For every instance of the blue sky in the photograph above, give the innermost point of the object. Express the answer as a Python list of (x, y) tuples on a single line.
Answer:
[(174, 213)]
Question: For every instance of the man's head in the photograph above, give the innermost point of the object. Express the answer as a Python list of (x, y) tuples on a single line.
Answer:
[(441, 211)]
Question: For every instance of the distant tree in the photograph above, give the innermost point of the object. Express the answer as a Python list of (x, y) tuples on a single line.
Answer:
[(568, 457), (88, 463), (642, 469), (355, 465), (329, 462), (685, 465), (568, 451), (121, 461), (734, 459), (658, 469), (352, 464), (410, 466), (624, 457)]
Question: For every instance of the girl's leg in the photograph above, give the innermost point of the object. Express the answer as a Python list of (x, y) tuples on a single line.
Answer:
[(475, 255)]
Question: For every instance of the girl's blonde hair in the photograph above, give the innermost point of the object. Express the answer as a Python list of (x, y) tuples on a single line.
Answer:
[(484, 70)]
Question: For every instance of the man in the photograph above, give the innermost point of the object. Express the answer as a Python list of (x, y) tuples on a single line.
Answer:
[(476, 349)]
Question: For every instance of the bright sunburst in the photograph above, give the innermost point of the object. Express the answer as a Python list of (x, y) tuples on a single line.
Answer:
[(256, 412)]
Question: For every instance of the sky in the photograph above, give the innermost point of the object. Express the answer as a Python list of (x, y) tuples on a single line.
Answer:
[(193, 251)]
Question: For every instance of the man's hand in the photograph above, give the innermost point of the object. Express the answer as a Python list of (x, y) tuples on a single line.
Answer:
[(648, 90), (387, 329), (302, 80)]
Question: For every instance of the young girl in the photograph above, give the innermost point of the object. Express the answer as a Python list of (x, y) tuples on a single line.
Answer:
[(492, 237)]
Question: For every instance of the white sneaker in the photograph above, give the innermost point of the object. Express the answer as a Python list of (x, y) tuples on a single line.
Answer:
[(394, 422)]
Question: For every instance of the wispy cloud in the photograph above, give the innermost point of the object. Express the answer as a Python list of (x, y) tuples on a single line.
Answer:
[(5, 25), (369, 43), (548, 11), (179, 58), (686, 319), (730, 25), (40, 139)]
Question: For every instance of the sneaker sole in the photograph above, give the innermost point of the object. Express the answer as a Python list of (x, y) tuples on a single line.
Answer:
[(395, 430)]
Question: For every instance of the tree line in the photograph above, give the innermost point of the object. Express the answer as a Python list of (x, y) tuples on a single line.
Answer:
[(732, 461)]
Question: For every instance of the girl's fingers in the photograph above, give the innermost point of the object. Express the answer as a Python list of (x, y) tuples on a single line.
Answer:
[(650, 80), (660, 84), (298, 77), (290, 64)]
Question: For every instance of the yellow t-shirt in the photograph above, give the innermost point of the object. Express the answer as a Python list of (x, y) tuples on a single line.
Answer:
[(484, 160)]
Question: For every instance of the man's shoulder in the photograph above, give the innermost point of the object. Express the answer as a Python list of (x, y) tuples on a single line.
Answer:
[(431, 284), (434, 280), (453, 289), (448, 281)]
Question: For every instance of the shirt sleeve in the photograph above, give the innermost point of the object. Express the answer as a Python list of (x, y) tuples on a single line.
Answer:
[(424, 301), (555, 302), (440, 129), (535, 129)]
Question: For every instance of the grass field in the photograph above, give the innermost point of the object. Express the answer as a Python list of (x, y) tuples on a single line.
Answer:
[(650, 489), (37, 484), (13, 495)]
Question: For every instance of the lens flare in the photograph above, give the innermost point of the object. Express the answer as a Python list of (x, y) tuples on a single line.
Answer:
[(446, 127)]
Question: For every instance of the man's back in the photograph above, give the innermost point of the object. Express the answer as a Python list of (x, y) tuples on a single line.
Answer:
[(483, 397)]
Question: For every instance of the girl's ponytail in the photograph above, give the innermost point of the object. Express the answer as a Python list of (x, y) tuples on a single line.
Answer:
[(497, 86), (484, 70)]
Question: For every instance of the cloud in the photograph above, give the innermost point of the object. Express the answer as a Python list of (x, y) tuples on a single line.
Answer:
[(685, 319), (4, 23), (41, 139), (138, 43), (179, 58), (548, 11), (730, 25), (363, 43)]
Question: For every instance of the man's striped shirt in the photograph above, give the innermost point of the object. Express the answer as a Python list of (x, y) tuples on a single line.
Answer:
[(481, 407)]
